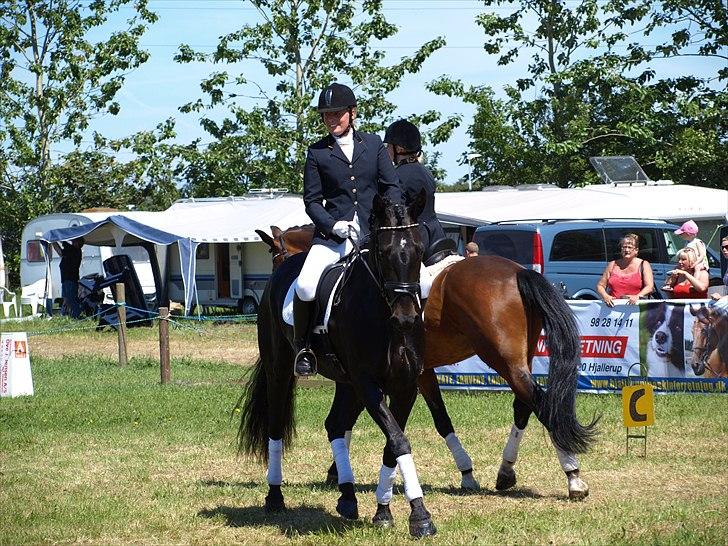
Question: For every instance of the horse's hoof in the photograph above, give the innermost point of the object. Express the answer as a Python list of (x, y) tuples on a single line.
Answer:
[(578, 489), (422, 528), (273, 505), (383, 518), (468, 483), (332, 480), (506, 478), (347, 508)]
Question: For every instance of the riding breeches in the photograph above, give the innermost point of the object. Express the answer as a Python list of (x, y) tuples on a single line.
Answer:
[(318, 258), (321, 256)]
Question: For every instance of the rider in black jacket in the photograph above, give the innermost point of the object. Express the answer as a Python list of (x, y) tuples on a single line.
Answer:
[(343, 172), (405, 149)]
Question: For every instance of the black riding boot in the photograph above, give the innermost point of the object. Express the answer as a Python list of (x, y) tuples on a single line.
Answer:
[(304, 313)]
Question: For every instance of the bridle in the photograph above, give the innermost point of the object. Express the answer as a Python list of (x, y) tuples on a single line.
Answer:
[(283, 252), (393, 290), (708, 332)]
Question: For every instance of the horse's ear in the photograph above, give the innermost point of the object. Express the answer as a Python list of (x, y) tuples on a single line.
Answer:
[(265, 238), (418, 205), (276, 231), (694, 310)]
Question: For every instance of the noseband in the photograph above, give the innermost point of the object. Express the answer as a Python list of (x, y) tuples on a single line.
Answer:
[(281, 253)]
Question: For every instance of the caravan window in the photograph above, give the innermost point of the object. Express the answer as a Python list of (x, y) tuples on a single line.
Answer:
[(203, 251), (34, 251)]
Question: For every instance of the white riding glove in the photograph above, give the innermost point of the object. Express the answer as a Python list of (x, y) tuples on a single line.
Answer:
[(341, 229)]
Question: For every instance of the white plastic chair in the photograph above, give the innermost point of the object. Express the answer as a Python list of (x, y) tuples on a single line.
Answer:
[(33, 295), (8, 302)]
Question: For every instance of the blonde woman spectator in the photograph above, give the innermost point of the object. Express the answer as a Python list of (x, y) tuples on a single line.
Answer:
[(629, 277), (471, 249), (687, 281)]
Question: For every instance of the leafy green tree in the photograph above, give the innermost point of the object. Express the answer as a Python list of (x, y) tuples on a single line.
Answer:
[(54, 78), (302, 46), (583, 98)]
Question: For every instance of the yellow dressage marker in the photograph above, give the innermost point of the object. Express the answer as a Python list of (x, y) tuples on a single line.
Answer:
[(638, 405)]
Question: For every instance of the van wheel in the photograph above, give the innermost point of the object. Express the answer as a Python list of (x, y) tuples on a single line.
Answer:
[(247, 306)]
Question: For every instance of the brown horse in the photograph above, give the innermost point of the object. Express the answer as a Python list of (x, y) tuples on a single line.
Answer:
[(297, 239), (494, 308), (710, 343)]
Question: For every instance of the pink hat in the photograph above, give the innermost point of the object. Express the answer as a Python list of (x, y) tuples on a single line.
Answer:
[(689, 227)]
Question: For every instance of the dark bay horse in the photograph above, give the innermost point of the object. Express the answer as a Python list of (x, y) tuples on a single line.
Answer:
[(376, 332), (494, 308)]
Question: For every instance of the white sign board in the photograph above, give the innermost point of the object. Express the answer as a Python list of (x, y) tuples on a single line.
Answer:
[(15, 375)]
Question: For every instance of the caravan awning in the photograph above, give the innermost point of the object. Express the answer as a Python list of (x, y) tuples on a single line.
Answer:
[(188, 224)]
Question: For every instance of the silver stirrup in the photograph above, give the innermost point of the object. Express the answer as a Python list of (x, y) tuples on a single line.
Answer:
[(309, 352)]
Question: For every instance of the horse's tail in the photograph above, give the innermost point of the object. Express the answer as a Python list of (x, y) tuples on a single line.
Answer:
[(556, 408), (254, 407)]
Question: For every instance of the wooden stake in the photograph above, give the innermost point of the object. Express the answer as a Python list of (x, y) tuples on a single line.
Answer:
[(121, 329), (164, 369)]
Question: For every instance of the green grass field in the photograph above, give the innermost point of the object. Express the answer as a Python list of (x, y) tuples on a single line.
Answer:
[(106, 455)]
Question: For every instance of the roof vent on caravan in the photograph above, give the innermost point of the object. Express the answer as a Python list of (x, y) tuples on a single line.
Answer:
[(623, 169), (266, 193)]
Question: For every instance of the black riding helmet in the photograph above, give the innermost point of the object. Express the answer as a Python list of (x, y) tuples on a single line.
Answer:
[(336, 97), (404, 134)]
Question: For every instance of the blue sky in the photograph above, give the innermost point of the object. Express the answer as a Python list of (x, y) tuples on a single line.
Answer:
[(155, 91)]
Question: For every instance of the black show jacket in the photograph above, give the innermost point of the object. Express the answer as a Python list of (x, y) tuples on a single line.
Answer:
[(334, 188)]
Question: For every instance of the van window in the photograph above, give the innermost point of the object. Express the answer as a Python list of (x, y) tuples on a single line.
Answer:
[(583, 245), (515, 245), (34, 251), (674, 245), (650, 246)]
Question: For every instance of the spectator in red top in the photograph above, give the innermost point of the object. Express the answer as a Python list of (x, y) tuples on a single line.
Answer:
[(688, 281), (629, 277)]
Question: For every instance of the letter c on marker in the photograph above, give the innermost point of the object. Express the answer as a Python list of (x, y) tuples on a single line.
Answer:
[(636, 416)]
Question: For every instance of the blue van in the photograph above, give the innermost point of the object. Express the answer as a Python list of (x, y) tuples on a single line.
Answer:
[(575, 252)]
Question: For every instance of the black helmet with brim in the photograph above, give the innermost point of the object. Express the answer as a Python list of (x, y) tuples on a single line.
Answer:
[(404, 134), (336, 97)]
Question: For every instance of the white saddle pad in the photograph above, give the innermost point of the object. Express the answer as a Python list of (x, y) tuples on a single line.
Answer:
[(287, 313), (435, 269)]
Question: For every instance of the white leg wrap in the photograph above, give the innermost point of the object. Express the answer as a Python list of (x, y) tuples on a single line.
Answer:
[(412, 489), (462, 459), (386, 483), (568, 460), (347, 437), (510, 452), (275, 468), (341, 458)]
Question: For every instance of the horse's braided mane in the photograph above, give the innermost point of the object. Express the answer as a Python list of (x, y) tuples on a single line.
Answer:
[(400, 212)]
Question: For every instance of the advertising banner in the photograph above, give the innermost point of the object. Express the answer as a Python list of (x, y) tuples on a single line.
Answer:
[(15, 375), (675, 345)]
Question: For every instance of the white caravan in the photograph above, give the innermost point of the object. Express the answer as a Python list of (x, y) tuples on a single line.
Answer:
[(33, 258)]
